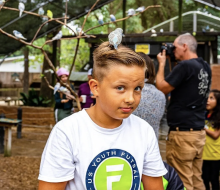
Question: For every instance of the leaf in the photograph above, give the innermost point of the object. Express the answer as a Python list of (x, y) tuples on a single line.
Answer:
[(46, 101), (35, 101), (24, 95)]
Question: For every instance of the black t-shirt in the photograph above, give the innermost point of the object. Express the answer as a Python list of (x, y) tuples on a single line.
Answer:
[(191, 80)]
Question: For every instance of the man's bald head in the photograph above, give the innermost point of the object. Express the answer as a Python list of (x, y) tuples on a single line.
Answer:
[(189, 40)]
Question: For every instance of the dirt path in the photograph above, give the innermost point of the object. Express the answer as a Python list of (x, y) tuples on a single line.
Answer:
[(20, 171)]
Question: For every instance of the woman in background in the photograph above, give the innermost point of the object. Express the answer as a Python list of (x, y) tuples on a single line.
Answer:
[(152, 105)]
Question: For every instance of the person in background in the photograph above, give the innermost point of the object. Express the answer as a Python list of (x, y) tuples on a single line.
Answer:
[(63, 103), (152, 105), (86, 97), (189, 84), (211, 153)]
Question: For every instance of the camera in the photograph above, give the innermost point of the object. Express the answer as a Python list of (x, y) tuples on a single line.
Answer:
[(169, 47)]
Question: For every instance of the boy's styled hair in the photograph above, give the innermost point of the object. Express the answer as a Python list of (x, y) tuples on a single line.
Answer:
[(105, 55), (150, 72)]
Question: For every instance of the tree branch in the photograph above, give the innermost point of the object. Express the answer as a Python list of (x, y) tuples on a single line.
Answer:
[(74, 59), (87, 16), (20, 40), (66, 12), (74, 37), (152, 6), (54, 19)]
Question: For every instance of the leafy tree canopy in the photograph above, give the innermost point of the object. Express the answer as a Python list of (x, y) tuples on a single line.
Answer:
[(169, 9)]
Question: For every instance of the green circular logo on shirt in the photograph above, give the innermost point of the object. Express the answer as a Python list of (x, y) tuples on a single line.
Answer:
[(113, 169), (113, 173)]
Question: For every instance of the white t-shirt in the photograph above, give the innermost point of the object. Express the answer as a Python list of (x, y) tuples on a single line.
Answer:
[(91, 157)]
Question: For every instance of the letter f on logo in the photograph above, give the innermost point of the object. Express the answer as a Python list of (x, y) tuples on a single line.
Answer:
[(111, 179)]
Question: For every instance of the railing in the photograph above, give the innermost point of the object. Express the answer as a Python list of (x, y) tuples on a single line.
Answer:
[(15, 98)]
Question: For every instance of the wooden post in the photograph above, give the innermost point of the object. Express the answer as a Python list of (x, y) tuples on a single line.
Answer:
[(7, 149), (26, 71), (2, 134), (19, 126), (180, 24), (124, 14)]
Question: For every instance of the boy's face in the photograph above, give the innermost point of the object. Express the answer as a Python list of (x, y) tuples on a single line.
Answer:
[(119, 93)]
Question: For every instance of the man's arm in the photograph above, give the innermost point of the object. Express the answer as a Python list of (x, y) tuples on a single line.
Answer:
[(152, 183), (161, 84), (51, 186)]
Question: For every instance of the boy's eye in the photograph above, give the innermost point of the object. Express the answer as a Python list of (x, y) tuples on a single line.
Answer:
[(138, 88), (120, 88)]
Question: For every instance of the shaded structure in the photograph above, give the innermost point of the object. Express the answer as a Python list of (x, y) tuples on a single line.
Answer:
[(192, 21), (211, 3), (207, 43)]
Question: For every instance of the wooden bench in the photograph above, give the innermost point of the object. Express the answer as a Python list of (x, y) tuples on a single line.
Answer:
[(15, 99), (8, 124)]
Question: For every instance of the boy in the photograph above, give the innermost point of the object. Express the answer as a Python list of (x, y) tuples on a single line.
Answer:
[(105, 147)]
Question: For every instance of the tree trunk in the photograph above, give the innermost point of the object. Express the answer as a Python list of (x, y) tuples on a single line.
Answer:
[(45, 91), (26, 71), (144, 16)]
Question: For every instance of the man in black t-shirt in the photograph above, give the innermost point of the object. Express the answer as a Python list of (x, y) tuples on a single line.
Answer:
[(189, 84)]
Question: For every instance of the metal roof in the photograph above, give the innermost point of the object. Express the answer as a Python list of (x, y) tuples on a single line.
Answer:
[(193, 21), (211, 3), (29, 24)]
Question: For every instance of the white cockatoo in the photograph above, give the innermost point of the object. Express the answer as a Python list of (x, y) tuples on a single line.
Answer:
[(112, 18), (131, 12), (19, 35), (153, 31), (58, 36), (49, 71), (140, 9), (153, 35), (21, 8), (101, 22), (41, 11), (79, 29), (1, 2)]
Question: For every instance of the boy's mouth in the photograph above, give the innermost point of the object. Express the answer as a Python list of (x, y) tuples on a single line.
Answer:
[(126, 109)]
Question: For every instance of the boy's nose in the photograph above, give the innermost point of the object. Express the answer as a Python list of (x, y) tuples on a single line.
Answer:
[(129, 98)]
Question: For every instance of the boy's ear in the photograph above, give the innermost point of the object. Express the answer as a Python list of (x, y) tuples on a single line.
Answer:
[(94, 86)]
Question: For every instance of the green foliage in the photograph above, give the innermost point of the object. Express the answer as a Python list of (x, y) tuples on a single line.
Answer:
[(33, 99), (68, 48), (153, 16)]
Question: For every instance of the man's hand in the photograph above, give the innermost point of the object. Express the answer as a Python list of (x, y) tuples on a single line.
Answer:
[(161, 84), (161, 57)]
